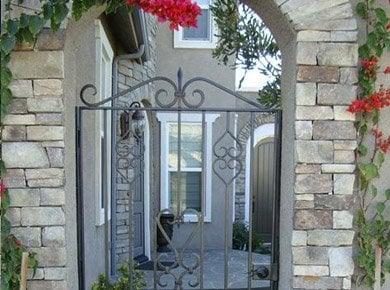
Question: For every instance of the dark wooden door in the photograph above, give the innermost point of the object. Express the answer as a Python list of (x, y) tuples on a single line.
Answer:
[(263, 189)]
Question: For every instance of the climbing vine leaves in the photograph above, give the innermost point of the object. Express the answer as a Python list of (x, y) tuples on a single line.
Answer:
[(373, 228)]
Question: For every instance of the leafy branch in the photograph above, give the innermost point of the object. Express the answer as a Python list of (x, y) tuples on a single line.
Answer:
[(242, 36)]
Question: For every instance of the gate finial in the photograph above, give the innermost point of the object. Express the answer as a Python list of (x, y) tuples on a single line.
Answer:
[(179, 78)]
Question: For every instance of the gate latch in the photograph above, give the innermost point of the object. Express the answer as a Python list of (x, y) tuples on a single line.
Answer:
[(265, 272)]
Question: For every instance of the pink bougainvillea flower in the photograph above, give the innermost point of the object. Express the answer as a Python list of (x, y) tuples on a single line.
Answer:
[(387, 70), (177, 12), (376, 101)]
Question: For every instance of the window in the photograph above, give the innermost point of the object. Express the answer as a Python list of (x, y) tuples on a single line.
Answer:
[(104, 59), (192, 162), (202, 36)]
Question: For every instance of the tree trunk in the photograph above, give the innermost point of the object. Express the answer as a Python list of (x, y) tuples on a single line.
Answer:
[(23, 272), (378, 267)]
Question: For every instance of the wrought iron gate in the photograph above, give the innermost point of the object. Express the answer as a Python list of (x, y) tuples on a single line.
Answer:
[(190, 207)]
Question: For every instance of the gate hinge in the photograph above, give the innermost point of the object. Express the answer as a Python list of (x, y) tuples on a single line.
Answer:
[(268, 272)]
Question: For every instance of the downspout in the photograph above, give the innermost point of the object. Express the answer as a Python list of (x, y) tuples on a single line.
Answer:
[(117, 59)]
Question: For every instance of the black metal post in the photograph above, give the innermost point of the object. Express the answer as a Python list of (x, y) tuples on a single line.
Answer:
[(79, 202)]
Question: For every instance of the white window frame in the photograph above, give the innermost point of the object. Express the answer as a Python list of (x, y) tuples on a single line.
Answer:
[(179, 42), (103, 71), (186, 118)]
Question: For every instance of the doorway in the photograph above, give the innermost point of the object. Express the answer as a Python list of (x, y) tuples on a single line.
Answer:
[(264, 164)]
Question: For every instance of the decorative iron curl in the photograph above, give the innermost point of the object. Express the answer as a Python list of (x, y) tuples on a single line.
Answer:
[(123, 93), (83, 93), (179, 93), (227, 158), (195, 92), (179, 261), (160, 103)]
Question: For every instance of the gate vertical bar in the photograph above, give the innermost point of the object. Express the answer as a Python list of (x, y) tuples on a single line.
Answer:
[(178, 192), (106, 203), (276, 201), (79, 200), (155, 210), (226, 217), (113, 189), (251, 189), (203, 195), (132, 189)]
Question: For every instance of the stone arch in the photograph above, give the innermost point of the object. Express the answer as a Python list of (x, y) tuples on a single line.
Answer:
[(318, 41)]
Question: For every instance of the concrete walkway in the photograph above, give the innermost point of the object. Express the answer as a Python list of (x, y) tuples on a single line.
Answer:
[(213, 271)]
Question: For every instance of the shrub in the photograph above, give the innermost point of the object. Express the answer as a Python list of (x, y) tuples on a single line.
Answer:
[(138, 281), (241, 238)]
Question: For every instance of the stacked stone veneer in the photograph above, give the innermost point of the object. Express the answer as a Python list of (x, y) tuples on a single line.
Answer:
[(325, 141), (130, 73), (33, 151)]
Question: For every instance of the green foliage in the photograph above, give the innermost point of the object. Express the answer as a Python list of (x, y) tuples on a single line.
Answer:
[(241, 238), (137, 281), (11, 251), (243, 37), (25, 28), (79, 7), (373, 230)]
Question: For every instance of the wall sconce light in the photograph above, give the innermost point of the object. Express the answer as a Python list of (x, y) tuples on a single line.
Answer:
[(137, 122)]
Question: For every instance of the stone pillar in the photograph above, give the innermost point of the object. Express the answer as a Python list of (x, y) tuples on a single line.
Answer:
[(33, 151), (325, 143)]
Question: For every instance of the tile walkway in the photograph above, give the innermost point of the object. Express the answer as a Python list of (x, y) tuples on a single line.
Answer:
[(213, 271)]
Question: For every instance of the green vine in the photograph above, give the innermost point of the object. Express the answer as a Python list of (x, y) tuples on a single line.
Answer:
[(373, 229), (11, 249), (25, 29), (242, 36)]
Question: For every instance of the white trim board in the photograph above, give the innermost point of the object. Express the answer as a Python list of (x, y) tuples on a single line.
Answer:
[(103, 81), (179, 42)]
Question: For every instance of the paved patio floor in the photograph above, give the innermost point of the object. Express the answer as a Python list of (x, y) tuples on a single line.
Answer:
[(214, 271)]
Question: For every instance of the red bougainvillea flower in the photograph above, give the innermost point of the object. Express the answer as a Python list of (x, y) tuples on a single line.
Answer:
[(18, 243), (387, 70), (177, 12), (376, 101), (370, 65), (388, 25), (383, 144)]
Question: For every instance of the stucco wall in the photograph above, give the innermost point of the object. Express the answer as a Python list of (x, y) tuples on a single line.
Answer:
[(199, 62)]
